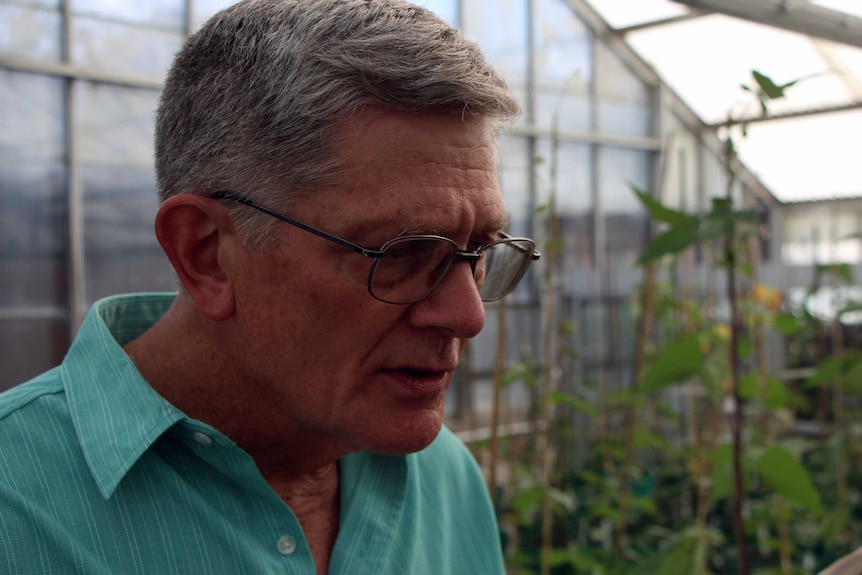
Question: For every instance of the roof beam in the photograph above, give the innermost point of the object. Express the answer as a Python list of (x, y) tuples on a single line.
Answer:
[(662, 22), (69, 71), (799, 113), (802, 17), (614, 40)]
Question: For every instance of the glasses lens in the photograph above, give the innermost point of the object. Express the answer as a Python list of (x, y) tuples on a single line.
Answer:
[(502, 266), (411, 268)]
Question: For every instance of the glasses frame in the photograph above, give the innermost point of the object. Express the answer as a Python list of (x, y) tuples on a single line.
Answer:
[(471, 256)]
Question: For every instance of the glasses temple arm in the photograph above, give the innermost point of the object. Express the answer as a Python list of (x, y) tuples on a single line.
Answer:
[(533, 256), (228, 195)]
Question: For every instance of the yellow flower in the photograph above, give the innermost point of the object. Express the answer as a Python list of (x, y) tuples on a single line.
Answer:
[(767, 295), (721, 331)]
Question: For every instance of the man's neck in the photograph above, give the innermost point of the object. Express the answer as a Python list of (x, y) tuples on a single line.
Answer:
[(303, 471), (314, 499)]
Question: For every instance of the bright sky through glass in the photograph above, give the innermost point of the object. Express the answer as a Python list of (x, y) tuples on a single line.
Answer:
[(705, 60)]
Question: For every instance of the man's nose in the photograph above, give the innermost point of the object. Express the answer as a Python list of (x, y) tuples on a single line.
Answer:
[(455, 305)]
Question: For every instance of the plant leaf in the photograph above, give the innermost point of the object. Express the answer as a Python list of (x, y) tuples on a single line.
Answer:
[(672, 241), (834, 524), (660, 212), (828, 371), (777, 396), (677, 361), (772, 90), (644, 438), (787, 323), (786, 476), (680, 559), (571, 556), (722, 475), (580, 404)]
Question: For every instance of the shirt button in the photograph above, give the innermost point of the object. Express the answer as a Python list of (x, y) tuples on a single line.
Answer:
[(202, 438), (286, 545)]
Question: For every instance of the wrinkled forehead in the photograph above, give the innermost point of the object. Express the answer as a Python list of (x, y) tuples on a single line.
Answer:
[(433, 172)]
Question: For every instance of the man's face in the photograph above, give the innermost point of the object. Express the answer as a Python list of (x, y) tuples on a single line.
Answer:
[(327, 360)]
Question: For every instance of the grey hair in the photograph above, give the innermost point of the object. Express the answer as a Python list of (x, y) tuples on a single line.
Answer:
[(253, 100)]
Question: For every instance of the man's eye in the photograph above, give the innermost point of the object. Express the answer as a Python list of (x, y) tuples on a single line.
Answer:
[(474, 245), (400, 252)]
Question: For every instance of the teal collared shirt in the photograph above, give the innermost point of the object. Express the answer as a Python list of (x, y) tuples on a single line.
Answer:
[(100, 475)]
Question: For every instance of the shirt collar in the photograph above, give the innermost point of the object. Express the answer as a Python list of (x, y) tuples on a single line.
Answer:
[(116, 413)]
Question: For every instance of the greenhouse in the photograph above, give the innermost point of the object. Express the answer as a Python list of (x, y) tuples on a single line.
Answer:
[(675, 386)]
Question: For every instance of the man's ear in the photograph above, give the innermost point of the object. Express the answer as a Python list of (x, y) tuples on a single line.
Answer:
[(192, 231)]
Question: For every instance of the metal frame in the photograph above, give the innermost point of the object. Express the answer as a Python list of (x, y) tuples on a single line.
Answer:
[(672, 101), (613, 39), (802, 17)]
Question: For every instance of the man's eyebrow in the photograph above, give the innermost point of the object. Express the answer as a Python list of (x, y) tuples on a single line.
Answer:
[(413, 228), (502, 223), (493, 227), (416, 228)]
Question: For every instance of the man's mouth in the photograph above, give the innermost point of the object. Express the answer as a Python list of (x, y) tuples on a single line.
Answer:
[(420, 372), (419, 383)]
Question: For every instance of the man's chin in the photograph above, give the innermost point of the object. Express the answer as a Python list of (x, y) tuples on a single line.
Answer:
[(410, 438)]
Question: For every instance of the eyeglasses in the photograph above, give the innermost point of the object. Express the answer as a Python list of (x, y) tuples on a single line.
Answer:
[(409, 268)]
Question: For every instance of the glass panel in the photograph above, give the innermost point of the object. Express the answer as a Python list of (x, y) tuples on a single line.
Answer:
[(821, 234), (34, 3), (169, 13), (115, 124), (29, 347), (521, 343), (620, 170), (624, 101), (500, 28), (572, 180), (515, 183), (33, 231), (622, 13), (120, 250), (446, 9), (33, 236), (713, 178), (680, 189), (29, 33), (625, 218), (122, 48), (851, 56), (31, 117), (563, 71), (523, 338), (802, 232), (515, 174), (593, 319), (202, 10), (574, 200)]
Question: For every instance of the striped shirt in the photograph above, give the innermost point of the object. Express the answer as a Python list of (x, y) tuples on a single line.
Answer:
[(100, 475)]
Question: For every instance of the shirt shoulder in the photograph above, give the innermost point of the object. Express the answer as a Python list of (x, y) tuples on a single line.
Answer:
[(35, 428), (22, 396)]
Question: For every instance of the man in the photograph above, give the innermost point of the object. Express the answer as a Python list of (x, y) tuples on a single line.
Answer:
[(331, 208)]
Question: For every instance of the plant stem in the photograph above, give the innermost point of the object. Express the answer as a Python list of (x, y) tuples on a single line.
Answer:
[(736, 415), (733, 367), (838, 419), (499, 366), (647, 304), (549, 368), (545, 450)]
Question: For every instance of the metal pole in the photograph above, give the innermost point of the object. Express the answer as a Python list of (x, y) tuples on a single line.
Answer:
[(75, 256)]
